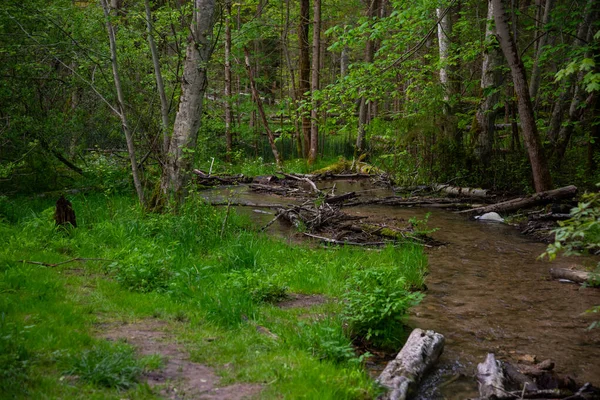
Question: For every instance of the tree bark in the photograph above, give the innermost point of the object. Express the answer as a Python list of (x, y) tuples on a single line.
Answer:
[(121, 103), (176, 171), (316, 69), (491, 378), (534, 81), (228, 111), (491, 78), (304, 69), (574, 275), (160, 86), (259, 105), (444, 32), (402, 375), (363, 111), (537, 199), (539, 165)]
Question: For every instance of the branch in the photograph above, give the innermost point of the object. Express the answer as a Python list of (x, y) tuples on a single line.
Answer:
[(62, 262)]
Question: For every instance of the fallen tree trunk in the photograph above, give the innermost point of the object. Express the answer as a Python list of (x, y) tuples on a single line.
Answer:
[(525, 202), (574, 275), (461, 191), (402, 375)]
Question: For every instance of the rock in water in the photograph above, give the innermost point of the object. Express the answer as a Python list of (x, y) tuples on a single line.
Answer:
[(491, 216)]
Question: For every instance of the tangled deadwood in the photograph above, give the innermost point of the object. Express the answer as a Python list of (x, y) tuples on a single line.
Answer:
[(503, 381)]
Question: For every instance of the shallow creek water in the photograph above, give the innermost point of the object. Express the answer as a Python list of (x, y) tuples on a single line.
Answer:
[(487, 292)]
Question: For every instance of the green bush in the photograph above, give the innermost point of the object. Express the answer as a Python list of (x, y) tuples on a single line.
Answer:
[(112, 366), (376, 302)]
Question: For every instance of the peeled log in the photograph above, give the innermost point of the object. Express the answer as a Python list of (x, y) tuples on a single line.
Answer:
[(402, 375), (491, 378), (461, 191), (574, 275), (526, 202)]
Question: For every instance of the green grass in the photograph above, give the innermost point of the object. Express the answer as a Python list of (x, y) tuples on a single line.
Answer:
[(214, 291)]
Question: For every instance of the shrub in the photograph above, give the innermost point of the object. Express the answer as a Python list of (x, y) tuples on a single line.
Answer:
[(376, 303)]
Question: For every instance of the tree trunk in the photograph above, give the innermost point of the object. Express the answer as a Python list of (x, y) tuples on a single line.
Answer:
[(121, 103), (259, 105), (537, 199), (176, 171), (586, 30), (539, 166), (444, 32), (574, 275), (228, 111), (304, 69), (160, 87), (314, 113), (363, 111), (491, 78), (534, 83)]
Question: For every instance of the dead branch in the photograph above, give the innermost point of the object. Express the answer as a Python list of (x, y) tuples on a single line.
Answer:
[(63, 262)]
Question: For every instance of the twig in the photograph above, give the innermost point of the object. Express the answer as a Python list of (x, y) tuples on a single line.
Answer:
[(225, 219), (62, 262), (340, 242)]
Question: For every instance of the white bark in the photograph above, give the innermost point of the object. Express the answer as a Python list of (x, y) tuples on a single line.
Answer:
[(491, 378), (314, 112), (189, 115), (402, 375), (444, 30)]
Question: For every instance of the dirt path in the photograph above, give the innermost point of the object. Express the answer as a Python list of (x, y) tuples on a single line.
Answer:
[(179, 378)]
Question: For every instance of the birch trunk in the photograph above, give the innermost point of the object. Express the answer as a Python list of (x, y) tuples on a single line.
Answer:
[(160, 86), (444, 31), (490, 81), (539, 166), (314, 112), (121, 103), (176, 171)]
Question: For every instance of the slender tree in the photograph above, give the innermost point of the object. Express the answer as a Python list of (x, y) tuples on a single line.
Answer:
[(316, 70), (121, 101), (228, 92), (539, 166), (304, 68)]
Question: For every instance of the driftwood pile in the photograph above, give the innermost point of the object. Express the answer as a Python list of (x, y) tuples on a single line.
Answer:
[(206, 179), (503, 381)]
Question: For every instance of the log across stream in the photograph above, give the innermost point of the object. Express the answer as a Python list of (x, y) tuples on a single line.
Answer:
[(487, 292)]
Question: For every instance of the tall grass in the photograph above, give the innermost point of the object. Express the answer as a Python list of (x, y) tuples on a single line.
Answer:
[(180, 267)]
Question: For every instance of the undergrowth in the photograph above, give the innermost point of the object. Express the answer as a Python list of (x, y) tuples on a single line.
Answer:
[(126, 265)]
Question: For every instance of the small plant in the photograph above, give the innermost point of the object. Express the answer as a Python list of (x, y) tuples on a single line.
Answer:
[(420, 227), (112, 366), (580, 234), (376, 303), (261, 288)]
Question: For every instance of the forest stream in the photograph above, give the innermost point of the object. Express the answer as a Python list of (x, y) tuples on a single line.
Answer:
[(487, 292)]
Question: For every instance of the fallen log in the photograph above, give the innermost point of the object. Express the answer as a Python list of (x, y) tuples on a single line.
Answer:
[(343, 242), (525, 202), (574, 275), (461, 191), (245, 204), (340, 198), (490, 376), (402, 375)]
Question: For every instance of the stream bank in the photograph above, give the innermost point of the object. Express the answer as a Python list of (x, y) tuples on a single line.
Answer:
[(487, 292)]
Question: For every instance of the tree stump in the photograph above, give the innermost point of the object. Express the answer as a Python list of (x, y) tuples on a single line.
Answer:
[(64, 213)]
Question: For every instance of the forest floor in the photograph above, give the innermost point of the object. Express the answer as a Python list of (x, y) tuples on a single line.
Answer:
[(194, 305)]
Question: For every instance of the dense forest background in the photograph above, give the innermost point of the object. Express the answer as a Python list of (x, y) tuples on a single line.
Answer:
[(500, 94)]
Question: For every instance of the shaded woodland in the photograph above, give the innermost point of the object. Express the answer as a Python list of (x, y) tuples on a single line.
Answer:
[(496, 94)]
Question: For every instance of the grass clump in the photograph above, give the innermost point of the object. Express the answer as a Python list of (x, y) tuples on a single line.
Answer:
[(111, 366)]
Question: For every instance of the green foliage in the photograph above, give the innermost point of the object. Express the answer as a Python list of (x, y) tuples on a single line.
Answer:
[(376, 302), (15, 358), (112, 366), (579, 234)]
